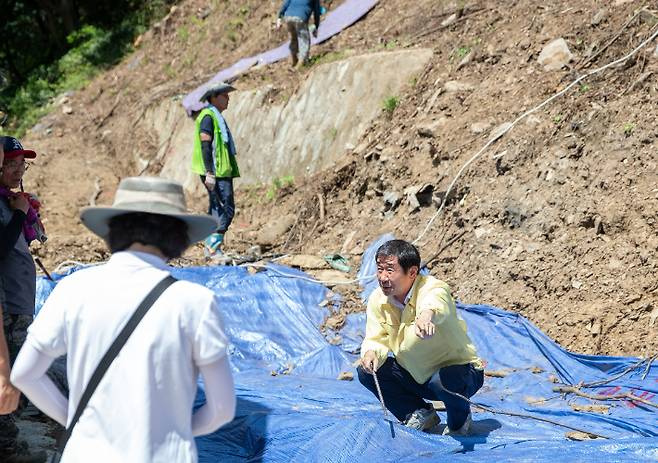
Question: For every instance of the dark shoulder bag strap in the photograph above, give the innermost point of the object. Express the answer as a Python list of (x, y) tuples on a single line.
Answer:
[(111, 354)]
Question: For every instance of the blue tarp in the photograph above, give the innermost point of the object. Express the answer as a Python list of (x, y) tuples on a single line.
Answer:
[(310, 416)]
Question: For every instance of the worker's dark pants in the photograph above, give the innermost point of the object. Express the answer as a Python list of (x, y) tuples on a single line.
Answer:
[(221, 202), (403, 395)]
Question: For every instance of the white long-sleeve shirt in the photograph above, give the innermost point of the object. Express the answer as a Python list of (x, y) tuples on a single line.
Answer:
[(142, 409)]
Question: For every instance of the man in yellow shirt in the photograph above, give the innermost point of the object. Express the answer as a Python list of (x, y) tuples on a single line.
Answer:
[(417, 345)]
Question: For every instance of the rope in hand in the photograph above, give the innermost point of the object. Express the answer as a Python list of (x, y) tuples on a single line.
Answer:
[(381, 400), (379, 393)]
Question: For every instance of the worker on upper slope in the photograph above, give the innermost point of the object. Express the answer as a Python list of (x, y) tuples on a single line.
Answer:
[(417, 345), (296, 14)]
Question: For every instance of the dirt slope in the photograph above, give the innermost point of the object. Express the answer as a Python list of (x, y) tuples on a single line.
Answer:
[(556, 221)]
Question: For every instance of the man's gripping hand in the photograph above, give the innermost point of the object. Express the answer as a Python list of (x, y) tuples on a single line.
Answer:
[(424, 324), (370, 362)]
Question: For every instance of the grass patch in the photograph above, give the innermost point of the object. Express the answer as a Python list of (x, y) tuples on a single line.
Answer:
[(462, 51), (329, 57), (391, 45), (183, 33), (390, 104), (277, 184), (332, 133)]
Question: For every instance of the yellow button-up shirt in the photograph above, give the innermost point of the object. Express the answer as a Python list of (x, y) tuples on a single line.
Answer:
[(389, 329)]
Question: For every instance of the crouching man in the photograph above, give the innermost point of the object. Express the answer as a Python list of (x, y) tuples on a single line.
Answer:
[(413, 318), (141, 410)]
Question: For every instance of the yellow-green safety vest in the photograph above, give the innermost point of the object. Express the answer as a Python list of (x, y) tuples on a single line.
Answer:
[(225, 164)]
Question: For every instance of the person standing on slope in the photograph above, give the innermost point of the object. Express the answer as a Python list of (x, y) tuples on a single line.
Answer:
[(213, 159), (296, 14)]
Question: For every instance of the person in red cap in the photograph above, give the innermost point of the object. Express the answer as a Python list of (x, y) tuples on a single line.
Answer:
[(9, 395), (19, 223)]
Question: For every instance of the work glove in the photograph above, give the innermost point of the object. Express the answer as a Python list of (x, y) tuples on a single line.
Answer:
[(210, 181)]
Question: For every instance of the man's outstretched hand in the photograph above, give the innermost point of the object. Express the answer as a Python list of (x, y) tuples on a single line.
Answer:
[(424, 325), (369, 362)]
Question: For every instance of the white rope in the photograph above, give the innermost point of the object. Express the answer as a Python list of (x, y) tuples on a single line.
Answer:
[(380, 395), (67, 264), (497, 136)]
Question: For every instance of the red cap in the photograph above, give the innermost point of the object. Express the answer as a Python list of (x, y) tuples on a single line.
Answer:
[(13, 149)]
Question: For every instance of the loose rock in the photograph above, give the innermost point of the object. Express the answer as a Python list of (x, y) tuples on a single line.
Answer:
[(599, 17), (480, 127), (391, 200), (454, 86), (555, 55)]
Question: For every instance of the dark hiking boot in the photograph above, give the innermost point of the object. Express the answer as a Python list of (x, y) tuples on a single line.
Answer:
[(422, 419)]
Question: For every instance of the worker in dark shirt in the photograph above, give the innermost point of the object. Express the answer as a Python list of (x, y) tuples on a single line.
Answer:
[(8, 393), (213, 159), (296, 14), (18, 276)]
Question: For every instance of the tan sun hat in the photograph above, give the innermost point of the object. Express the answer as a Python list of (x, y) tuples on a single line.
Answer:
[(150, 195)]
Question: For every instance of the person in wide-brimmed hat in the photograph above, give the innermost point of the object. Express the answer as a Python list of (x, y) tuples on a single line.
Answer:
[(141, 410), (213, 159)]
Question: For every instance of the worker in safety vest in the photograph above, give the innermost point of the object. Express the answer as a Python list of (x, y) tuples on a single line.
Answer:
[(213, 159), (417, 345)]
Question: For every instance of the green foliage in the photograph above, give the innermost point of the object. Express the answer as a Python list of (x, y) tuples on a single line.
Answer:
[(183, 33), (198, 22), (91, 49), (584, 88), (88, 50), (170, 71), (236, 24), (390, 104), (277, 184), (462, 51), (328, 57), (332, 133), (465, 49), (628, 129)]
